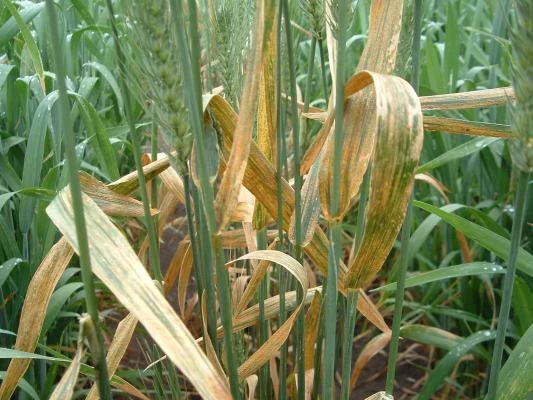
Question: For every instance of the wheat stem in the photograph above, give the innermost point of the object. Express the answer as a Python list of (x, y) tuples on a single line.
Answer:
[(99, 359)]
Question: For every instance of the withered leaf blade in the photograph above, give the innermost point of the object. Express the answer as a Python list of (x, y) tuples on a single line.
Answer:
[(130, 182), (226, 198), (270, 347), (310, 206), (260, 179), (399, 136), (111, 202), (117, 349), (119, 268), (33, 312)]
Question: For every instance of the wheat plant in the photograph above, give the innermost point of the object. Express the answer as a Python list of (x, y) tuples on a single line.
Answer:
[(294, 199)]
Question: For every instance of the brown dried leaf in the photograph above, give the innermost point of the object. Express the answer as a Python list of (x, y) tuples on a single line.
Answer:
[(111, 202), (33, 311), (468, 100), (274, 342), (242, 137), (116, 264), (372, 348), (399, 136), (117, 349), (463, 127)]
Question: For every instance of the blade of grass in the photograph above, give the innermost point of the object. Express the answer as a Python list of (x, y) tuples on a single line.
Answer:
[(505, 307), (347, 346), (485, 237), (298, 253), (406, 229), (443, 368), (97, 353), (10, 28), (30, 42)]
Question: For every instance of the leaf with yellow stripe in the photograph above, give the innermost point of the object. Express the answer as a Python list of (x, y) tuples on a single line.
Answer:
[(399, 135), (117, 265)]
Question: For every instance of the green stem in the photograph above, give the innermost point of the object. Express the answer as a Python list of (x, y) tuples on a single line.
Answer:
[(406, 229), (323, 69), (197, 264), (207, 24), (347, 346), (263, 321), (516, 235), (335, 238), (334, 253), (207, 271), (282, 275), (154, 142), (307, 94), (136, 141), (298, 252), (226, 316), (102, 377), (398, 304), (190, 64)]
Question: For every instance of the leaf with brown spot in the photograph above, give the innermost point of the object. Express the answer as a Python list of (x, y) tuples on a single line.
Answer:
[(242, 137), (399, 136), (38, 295), (117, 265), (111, 202), (373, 347), (468, 100), (117, 349), (463, 127), (275, 341), (130, 182)]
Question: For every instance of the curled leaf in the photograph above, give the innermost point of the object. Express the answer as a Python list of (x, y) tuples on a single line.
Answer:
[(274, 342)]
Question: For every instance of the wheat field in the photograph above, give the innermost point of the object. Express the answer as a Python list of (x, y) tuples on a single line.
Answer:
[(293, 199)]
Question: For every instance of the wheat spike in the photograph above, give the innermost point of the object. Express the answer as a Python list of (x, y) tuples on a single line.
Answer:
[(157, 73), (522, 40)]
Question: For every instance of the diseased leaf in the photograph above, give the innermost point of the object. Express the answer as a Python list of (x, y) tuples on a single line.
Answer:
[(116, 264), (112, 203), (274, 342), (373, 347), (399, 135), (451, 125), (117, 349), (230, 186), (33, 312), (468, 100)]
